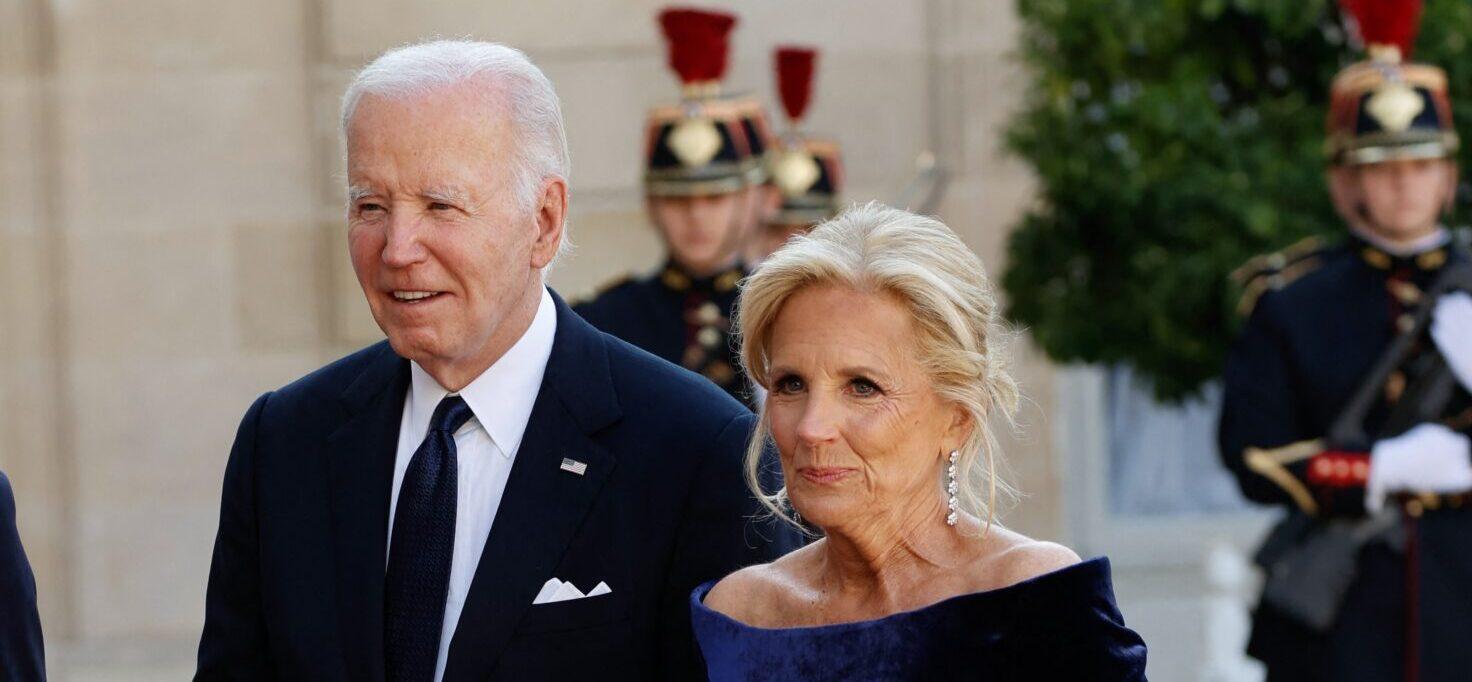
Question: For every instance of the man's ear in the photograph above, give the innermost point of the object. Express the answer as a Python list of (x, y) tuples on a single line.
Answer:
[(551, 219), (660, 229), (1344, 192)]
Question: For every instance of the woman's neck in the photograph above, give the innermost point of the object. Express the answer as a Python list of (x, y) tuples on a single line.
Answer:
[(884, 557)]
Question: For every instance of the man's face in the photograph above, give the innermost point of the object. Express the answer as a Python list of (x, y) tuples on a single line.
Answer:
[(1403, 199), (443, 248), (702, 232), (761, 202)]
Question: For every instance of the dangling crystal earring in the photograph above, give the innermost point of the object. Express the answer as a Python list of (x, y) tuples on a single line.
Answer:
[(951, 488)]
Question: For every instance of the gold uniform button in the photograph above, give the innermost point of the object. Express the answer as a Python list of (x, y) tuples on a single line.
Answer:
[(1405, 292), (708, 313), (720, 372), (1415, 509), (1405, 323), (710, 337)]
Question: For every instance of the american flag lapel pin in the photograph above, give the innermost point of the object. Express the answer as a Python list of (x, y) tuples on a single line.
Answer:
[(574, 466)]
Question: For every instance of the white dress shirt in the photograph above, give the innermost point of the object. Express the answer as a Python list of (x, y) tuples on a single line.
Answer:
[(501, 399)]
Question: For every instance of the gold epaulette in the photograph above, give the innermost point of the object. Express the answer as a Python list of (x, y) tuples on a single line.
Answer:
[(1273, 271)]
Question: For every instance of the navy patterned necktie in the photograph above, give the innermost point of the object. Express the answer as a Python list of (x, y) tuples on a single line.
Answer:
[(421, 550)]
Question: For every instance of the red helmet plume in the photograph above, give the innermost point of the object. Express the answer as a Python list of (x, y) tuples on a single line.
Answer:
[(698, 41), (1385, 22), (795, 79)]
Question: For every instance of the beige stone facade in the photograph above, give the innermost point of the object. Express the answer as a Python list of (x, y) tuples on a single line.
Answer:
[(171, 238)]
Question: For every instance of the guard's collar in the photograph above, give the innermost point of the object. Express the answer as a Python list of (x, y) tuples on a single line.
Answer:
[(1426, 254), (675, 278)]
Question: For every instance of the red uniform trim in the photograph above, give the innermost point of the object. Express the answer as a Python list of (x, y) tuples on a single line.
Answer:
[(1413, 603), (1335, 469)]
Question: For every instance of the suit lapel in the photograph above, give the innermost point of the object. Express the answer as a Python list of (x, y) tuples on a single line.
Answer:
[(543, 506), (361, 455)]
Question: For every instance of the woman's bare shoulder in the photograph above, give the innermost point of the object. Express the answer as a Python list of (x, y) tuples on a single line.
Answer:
[(1011, 557), (752, 594)]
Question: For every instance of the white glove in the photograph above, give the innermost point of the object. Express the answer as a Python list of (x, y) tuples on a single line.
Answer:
[(1429, 458), (1451, 329)]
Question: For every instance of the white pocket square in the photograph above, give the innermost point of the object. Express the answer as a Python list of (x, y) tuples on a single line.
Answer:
[(555, 590)]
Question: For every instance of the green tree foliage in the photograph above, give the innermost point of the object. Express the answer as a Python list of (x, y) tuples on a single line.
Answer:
[(1173, 140)]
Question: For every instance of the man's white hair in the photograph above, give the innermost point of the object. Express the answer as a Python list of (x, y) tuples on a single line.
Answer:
[(522, 88)]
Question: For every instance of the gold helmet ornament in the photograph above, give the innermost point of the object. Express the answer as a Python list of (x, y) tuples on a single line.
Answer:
[(698, 147), (807, 170), (1387, 108)]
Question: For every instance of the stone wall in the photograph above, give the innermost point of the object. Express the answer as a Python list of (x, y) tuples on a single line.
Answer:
[(172, 242)]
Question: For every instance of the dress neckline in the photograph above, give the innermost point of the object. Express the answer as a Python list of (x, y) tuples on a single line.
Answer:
[(1087, 572)]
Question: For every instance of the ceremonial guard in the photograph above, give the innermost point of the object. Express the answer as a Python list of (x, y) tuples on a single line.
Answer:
[(1346, 395), (806, 170), (700, 162), (762, 195)]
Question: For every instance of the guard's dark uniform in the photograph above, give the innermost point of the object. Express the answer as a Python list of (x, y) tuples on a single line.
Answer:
[(679, 318), (1320, 319), (1323, 319), (706, 145)]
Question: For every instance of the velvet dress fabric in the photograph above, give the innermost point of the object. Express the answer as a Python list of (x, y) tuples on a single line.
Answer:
[(1060, 625)]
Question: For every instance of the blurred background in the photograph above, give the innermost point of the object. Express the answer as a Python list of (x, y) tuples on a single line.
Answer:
[(172, 245)]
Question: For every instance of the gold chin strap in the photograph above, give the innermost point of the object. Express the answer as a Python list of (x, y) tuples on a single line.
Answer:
[(1272, 464)]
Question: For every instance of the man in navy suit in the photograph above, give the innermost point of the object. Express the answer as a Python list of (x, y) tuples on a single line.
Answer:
[(21, 655), (499, 491)]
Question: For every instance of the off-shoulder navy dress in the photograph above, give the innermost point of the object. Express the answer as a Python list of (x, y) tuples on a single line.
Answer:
[(1061, 625)]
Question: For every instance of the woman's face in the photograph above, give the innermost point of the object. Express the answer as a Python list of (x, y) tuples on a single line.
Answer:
[(861, 431)]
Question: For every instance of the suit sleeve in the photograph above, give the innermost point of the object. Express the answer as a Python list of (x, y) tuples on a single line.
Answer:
[(1263, 438), (233, 646), (22, 656), (722, 529)]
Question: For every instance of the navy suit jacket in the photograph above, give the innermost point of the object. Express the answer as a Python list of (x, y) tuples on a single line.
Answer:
[(21, 653), (296, 584)]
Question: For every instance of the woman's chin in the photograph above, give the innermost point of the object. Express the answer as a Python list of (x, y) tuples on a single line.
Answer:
[(825, 513)]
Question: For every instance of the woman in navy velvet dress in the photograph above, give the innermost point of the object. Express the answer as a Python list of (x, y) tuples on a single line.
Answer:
[(877, 341)]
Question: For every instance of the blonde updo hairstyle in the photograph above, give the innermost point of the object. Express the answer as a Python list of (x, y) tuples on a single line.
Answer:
[(876, 248)]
